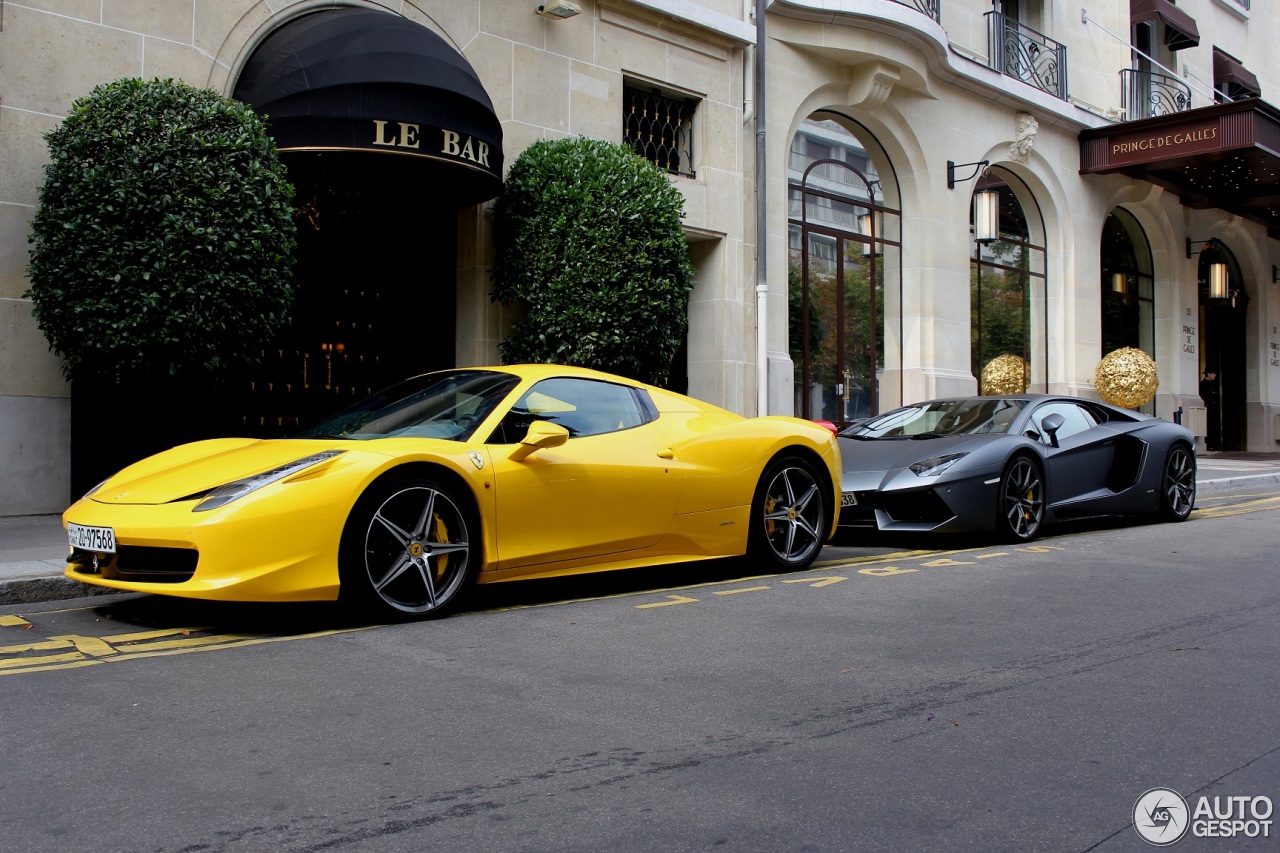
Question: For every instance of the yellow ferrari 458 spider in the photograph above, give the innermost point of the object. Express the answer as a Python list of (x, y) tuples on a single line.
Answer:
[(400, 502)]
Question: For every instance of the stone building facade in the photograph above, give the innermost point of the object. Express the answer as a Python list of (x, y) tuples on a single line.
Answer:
[(880, 123)]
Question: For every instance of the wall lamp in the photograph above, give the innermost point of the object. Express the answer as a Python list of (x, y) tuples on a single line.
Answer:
[(867, 227), (1118, 282), (986, 203), (1218, 272), (559, 9)]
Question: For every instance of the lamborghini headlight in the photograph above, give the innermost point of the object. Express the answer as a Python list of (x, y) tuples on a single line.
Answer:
[(224, 495), (935, 465)]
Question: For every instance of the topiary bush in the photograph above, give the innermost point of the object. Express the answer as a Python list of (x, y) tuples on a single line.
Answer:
[(590, 246), (164, 236)]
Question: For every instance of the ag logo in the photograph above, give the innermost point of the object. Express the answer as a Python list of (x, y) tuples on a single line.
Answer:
[(1161, 816)]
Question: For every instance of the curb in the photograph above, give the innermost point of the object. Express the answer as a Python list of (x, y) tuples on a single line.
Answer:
[(1213, 487), (38, 590)]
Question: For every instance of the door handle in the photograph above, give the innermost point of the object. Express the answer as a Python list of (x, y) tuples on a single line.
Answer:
[(666, 453)]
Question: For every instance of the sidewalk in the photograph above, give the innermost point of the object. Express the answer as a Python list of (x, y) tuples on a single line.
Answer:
[(33, 547)]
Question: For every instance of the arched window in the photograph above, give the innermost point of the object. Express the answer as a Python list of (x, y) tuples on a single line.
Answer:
[(1128, 285), (1007, 296), (844, 272)]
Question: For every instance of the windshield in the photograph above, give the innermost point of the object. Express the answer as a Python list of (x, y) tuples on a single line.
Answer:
[(449, 405), (940, 417)]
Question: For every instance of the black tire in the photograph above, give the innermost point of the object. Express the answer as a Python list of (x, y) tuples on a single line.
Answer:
[(1178, 484), (1020, 506), (788, 515), (410, 549)]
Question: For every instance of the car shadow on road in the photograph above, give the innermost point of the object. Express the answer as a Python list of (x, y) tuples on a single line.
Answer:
[(156, 612), (140, 612)]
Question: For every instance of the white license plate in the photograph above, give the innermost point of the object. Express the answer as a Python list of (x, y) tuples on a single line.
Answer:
[(99, 539), (848, 499)]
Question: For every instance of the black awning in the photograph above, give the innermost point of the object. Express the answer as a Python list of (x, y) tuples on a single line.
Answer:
[(1233, 79), (352, 79), (1224, 156), (1179, 28)]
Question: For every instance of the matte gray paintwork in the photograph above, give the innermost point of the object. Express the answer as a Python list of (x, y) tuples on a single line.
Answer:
[(1076, 472)]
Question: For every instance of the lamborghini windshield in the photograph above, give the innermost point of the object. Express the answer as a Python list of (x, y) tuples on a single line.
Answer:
[(450, 404), (971, 416)]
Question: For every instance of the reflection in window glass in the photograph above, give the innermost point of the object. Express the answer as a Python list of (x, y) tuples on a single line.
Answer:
[(844, 244), (1007, 298)]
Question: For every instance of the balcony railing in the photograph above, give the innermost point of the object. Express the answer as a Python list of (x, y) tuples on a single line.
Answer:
[(1144, 94), (1022, 53), (933, 8)]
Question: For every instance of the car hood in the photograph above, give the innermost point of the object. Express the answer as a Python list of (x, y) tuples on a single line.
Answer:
[(192, 469), (891, 454)]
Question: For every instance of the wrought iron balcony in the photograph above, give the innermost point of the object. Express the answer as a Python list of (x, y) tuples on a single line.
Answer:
[(1144, 94), (1022, 53), (932, 8)]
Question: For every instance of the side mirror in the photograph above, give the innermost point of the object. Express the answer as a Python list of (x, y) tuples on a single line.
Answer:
[(541, 435), (1051, 424)]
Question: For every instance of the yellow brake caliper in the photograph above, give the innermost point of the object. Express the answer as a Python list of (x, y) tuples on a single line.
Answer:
[(442, 535)]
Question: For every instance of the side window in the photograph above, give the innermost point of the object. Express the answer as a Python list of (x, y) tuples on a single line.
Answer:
[(582, 406), (1075, 419)]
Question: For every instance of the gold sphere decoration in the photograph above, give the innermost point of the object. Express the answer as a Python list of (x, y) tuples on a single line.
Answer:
[(1126, 377), (1005, 374)]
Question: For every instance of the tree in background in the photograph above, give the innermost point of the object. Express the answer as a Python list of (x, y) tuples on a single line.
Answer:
[(590, 247), (164, 236), (163, 264)]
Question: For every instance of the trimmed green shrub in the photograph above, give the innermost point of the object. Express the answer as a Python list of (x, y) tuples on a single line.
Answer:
[(590, 246), (164, 236)]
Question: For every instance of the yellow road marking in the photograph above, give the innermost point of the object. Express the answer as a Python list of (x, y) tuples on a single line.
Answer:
[(15, 663), (828, 581), (947, 561), (877, 558), (35, 646), (7, 621), (885, 571), (675, 599), (94, 647), (996, 554), (94, 650), (745, 589)]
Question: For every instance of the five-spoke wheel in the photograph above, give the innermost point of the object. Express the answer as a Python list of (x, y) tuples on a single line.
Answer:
[(788, 517), (1178, 487), (1021, 508), (408, 548)]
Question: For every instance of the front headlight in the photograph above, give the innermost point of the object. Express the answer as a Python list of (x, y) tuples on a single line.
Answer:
[(935, 465), (224, 495), (95, 488)]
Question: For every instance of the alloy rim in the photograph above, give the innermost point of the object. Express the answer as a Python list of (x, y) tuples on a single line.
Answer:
[(417, 549), (1022, 500), (1180, 482), (793, 515)]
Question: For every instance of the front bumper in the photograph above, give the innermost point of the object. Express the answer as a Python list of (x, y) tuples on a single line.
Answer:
[(900, 500), (269, 547)]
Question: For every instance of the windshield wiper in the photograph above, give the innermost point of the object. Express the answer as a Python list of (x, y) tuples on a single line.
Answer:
[(929, 435)]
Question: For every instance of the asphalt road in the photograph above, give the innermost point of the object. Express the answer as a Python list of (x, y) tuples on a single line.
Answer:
[(969, 697)]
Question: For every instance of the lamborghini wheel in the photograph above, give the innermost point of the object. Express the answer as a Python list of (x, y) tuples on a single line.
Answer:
[(788, 517), (1178, 486), (1021, 509), (409, 548)]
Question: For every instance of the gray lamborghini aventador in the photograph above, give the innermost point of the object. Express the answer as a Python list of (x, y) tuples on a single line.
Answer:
[(1012, 464)]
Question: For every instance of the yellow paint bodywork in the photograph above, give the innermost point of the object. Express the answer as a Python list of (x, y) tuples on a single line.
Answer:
[(679, 488)]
